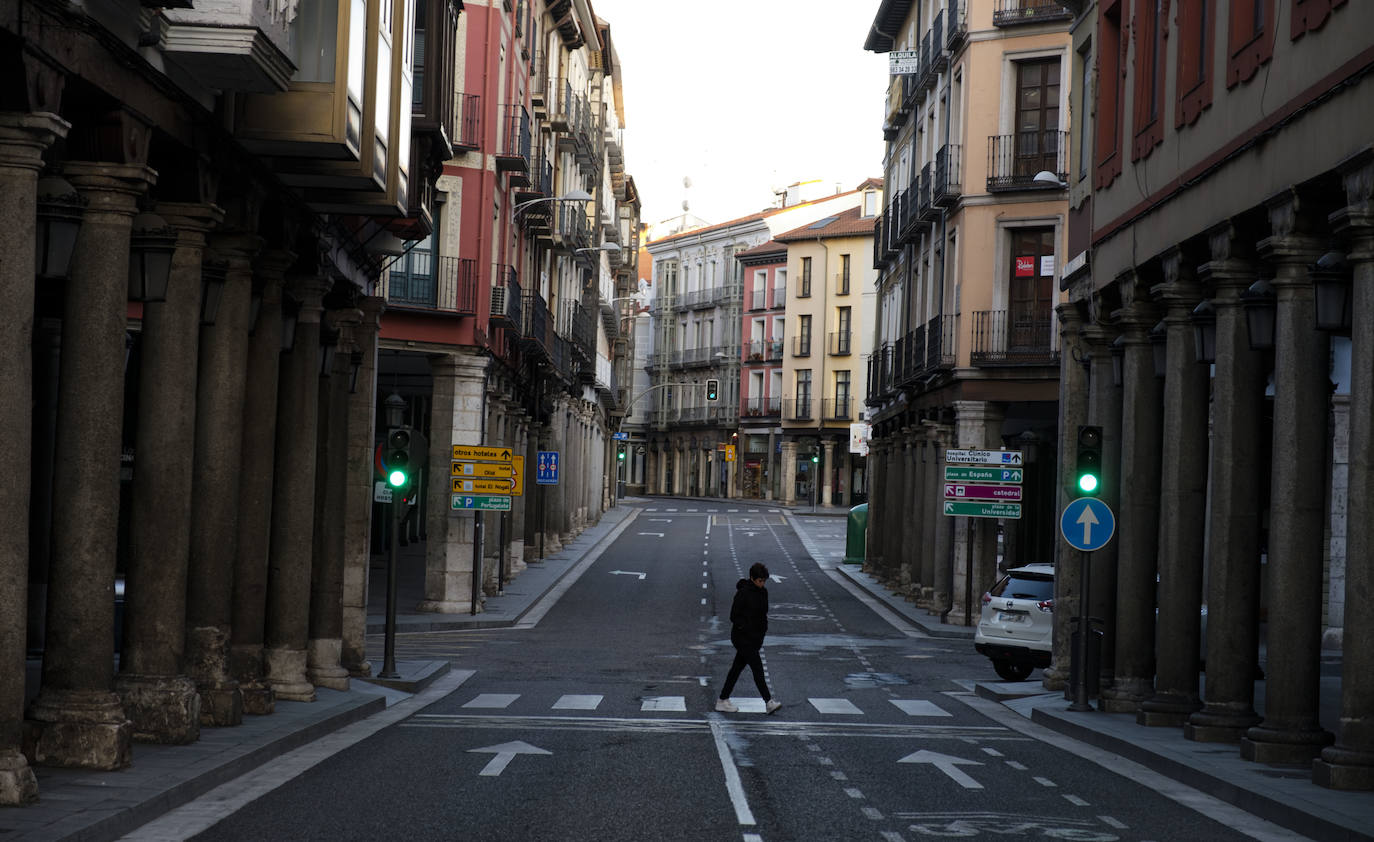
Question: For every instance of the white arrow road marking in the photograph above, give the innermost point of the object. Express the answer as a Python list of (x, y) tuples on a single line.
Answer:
[(947, 764), (655, 534), (776, 578), (505, 753), (1088, 520), (661, 519), (628, 573)]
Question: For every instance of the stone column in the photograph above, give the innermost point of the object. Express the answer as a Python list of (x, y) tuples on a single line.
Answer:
[(1290, 731), (789, 473), (878, 450), (930, 494), (1104, 410), (23, 137), (942, 439), (910, 574), (77, 719), (1233, 574), (898, 468), (1183, 500), (920, 514), (325, 648), (1137, 532), (293, 500), (256, 470), (1349, 764), (455, 418), (158, 697), (827, 467), (357, 525), (1073, 411), (219, 449)]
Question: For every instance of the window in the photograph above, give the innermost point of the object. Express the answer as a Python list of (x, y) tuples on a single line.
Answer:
[(803, 336), (804, 284), (1031, 289), (1110, 51), (756, 301), (1080, 121), (870, 203), (1037, 118), (803, 385), (842, 287), (1151, 29), (843, 318), (1251, 41), (1196, 25), (780, 288), (841, 394), (417, 60)]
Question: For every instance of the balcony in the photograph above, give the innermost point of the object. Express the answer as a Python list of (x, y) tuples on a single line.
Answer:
[(926, 79), (774, 350), (925, 210), (754, 351), (238, 45), (904, 206), (837, 409), (572, 227), (956, 27), (798, 409), (536, 324), (841, 343), (505, 298), (513, 154), (467, 122), (452, 289), (1017, 12), (761, 408), (539, 183), (779, 297), (1014, 159), (938, 59), (949, 184), (539, 80), (1025, 337), (562, 109), (801, 346)]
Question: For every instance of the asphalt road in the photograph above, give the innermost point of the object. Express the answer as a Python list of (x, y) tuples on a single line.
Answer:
[(597, 724)]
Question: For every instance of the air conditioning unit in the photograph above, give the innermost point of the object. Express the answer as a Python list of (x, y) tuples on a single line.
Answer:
[(498, 303)]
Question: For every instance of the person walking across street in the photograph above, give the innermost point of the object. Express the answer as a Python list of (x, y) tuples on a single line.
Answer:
[(748, 625)]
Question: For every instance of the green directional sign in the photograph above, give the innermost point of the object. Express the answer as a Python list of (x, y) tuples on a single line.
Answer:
[(959, 473), (481, 502), (968, 508)]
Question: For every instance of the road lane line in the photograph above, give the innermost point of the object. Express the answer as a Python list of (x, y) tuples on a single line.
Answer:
[(733, 784), (531, 618)]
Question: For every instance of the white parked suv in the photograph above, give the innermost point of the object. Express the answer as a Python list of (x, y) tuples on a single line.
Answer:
[(1016, 628)]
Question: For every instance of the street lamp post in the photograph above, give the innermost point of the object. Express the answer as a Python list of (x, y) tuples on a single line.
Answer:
[(570, 196)]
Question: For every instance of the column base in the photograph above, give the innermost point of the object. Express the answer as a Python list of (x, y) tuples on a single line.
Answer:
[(78, 729), (1053, 678), (1217, 723), (163, 709), (1340, 768), (18, 784), (1167, 710), (286, 675), (324, 669), (363, 670), (222, 704), (258, 698), (1273, 745), (449, 606), (1126, 695)]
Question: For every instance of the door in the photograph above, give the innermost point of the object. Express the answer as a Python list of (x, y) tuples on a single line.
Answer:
[(1031, 290), (1037, 118)]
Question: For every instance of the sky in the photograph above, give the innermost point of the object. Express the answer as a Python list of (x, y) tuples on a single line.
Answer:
[(744, 97)]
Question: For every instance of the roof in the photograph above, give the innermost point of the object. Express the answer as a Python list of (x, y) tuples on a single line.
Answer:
[(886, 24), (848, 223), (764, 214), (760, 252)]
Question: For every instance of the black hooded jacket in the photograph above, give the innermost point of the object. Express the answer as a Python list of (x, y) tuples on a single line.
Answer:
[(748, 615)]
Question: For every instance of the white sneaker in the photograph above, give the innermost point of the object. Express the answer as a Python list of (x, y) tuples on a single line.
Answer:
[(772, 706), (726, 706)]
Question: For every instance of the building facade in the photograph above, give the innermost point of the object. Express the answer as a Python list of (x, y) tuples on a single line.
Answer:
[(829, 310), (966, 350), (759, 443), (208, 199), (1219, 290)]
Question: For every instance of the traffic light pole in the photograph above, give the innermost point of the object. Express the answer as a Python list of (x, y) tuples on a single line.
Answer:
[(389, 647), (1080, 685), (501, 559)]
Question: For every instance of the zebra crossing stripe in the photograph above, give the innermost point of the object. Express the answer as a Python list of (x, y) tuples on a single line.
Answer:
[(493, 700), (917, 707), (672, 704), (843, 706), (574, 702)]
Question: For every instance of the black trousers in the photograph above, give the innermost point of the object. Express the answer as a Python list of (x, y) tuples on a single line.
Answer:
[(746, 656)]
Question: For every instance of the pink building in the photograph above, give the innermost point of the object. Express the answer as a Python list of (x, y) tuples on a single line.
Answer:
[(763, 269)]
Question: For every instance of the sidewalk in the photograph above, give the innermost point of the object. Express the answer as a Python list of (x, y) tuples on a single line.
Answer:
[(1284, 795), (91, 806)]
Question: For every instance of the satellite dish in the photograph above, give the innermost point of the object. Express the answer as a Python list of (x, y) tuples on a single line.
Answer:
[(684, 205), (686, 181)]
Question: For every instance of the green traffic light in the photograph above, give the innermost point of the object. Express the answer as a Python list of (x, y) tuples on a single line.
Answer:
[(1087, 483), (397, 478)]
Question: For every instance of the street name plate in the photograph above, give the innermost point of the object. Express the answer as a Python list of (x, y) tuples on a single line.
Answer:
[(978, 509), (478, 453), (463, 485), (960, 491), (481, 502), (961, 474), (983, 457), (381, 492)]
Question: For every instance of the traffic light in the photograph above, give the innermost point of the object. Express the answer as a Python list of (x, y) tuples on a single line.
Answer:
[(620, 453), (713, 390), (396, 461), (1088, 465), (815, 457)]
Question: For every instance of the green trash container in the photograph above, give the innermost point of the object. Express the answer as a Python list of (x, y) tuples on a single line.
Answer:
[(856, 535)]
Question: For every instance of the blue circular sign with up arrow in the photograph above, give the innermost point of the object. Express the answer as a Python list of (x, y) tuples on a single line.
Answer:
[(1087, 524)]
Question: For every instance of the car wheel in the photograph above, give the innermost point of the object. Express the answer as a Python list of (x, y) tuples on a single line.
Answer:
[(1011, 671)]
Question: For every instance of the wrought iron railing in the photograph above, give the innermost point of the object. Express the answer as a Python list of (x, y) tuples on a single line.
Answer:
[(761, 408), (837, 409), (515, 143), (774, 350), (949, 184), (1015, 159), (799, 409), (801, 345), (841, 343), (536, 325), (1015, 338), (1013, 12), (467, 121)]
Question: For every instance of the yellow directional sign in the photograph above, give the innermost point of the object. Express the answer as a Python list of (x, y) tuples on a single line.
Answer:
[(462, 485), (729, 453), (482, 470), (478, 453), (518, 469)]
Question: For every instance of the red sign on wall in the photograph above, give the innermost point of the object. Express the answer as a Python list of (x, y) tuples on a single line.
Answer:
[(1025, 267)]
